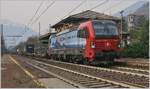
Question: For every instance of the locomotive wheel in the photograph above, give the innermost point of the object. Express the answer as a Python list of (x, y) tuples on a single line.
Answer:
[(85, 62), (111, 63)]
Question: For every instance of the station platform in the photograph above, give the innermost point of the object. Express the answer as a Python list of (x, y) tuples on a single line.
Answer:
[(16, 74), (13, 76)]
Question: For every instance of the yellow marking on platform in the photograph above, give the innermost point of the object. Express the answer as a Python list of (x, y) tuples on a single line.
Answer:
[(28, 73)]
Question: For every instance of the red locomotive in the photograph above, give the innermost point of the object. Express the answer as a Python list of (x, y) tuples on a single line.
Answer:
[(93, 41)]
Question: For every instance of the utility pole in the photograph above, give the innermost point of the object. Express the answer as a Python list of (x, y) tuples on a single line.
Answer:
[(39, 47), (1, 31), (50, 30), (121, 29), (39, 28), (25, 28), (1, 39)]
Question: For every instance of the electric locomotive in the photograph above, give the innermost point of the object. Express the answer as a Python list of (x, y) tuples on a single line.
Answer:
[(92, 41)]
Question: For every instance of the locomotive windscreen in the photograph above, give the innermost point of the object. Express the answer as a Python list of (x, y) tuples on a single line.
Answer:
[(105, 29)]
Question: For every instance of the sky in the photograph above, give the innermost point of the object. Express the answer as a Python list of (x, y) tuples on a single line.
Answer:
[(21, 11)]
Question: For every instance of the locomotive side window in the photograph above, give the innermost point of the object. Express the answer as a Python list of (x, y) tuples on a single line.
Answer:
[(83, 33)]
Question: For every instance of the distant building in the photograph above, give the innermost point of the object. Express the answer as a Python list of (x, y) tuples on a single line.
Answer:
[(135, 21)]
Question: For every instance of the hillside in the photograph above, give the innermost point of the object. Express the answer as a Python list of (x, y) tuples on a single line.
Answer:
[(140, 7)]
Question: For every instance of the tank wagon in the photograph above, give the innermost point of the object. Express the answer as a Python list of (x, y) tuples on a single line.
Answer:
[(92, 41)]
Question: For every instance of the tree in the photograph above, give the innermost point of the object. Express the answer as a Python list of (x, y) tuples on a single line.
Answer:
[(140, 43)]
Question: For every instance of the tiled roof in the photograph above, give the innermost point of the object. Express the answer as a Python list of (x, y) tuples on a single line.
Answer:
[(85, 15), (92, 15)]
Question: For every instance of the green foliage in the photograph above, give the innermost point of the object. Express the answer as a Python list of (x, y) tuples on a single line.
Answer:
[(140, 43)]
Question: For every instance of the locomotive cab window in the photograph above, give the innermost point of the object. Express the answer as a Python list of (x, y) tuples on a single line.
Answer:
[(83, 33), (106, 29)]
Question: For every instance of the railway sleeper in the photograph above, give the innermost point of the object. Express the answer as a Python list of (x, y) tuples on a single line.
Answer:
[(94, 83), (100, 86), (115, 86), (89, 81)]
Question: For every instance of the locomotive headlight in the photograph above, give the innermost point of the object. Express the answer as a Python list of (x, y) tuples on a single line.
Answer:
[(92, 44), (119, 46), (107, 44)]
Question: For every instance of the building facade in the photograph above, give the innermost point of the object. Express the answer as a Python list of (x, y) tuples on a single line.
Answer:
[(135, 21)]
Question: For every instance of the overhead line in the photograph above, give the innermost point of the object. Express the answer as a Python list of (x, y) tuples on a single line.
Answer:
[(33, 16), (35, 12), (112, 6), (75, 8), (99, 4), (43, 12), (69, 12), (40, 14), (89, 9)]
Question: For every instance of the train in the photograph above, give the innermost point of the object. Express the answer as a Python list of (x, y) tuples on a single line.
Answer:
[(93, 41)]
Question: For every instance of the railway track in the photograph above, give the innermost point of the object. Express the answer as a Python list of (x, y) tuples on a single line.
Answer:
[(133, 70), (134, 64), (80, 79), (130, 78), (139, 65), (133, 79)]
